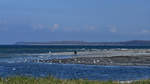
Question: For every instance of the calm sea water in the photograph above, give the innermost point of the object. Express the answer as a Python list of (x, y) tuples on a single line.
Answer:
[(17, 60)]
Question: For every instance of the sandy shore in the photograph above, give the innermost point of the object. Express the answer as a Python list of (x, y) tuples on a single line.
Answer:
[(115, 60), (122, 57)]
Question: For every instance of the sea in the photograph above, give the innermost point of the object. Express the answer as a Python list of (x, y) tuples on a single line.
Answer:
[(17, 60)]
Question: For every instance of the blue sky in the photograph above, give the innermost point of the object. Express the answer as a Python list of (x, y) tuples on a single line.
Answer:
[(86, 20)]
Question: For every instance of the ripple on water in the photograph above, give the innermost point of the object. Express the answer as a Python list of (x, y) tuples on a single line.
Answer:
[(73, 71)]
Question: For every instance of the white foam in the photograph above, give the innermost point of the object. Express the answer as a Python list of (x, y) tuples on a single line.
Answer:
[(13, 69)]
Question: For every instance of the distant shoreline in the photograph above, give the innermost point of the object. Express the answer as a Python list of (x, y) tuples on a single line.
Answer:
[(82, 43)]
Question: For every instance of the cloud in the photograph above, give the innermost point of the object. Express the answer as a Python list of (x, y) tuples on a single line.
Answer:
[(112, 28), (71, 29), (145, 31), (38, 26), (90, 28), (80, 28), (55, 27), (46, 27)]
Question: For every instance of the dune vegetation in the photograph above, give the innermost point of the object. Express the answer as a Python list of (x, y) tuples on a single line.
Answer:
[(52, 80)]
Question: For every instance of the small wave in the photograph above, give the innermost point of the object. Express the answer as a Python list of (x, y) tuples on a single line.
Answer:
[(1, 68)]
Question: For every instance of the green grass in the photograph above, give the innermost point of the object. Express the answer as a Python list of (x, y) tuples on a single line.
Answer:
[(51, 80)]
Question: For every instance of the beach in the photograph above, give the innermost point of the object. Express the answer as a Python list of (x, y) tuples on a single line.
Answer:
[(131, 57), (115, 60), (88, 62)]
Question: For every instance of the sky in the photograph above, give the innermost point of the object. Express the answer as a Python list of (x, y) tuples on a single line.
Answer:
[(75, 20)]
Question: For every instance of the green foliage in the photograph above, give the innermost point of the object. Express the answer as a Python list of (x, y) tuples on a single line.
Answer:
[(51, 80)]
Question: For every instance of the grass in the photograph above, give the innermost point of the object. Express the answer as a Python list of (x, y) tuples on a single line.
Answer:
[(51, 80)]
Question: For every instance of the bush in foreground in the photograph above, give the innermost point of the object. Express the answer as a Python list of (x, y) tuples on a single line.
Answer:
[(51, 80)]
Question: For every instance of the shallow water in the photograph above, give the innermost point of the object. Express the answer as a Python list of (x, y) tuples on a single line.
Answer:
[(17, 60), (74, 71)]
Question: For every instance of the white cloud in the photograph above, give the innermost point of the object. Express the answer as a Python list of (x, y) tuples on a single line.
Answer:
[(113, 28), (55, 27), (52, 28), (90, 28), (38, 26), (83, 28), (68, 29), (145, 31), (71, 29)]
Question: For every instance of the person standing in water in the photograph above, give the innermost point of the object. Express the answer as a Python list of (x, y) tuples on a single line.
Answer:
[(75, 52), (49, 52)]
